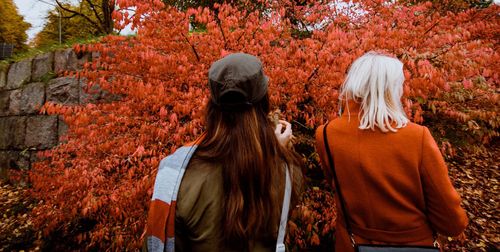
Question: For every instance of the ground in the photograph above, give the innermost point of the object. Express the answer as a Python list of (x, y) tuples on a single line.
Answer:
[(475, 175)]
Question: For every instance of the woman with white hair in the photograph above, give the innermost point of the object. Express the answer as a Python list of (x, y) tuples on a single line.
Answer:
[(391, 182)]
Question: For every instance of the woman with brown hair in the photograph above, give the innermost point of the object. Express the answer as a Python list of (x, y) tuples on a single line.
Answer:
[(238, 180), (392, 184)]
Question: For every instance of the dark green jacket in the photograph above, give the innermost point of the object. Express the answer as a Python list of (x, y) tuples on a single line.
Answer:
[(198, 222)]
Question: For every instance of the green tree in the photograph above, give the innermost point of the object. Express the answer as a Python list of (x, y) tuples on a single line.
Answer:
[(72, 27), (86, 19), (12, 26), (96, 12)]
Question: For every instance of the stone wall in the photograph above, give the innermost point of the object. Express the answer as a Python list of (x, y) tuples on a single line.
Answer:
[(24, 87)]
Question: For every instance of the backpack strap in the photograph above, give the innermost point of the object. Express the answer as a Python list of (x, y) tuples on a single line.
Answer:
[(280, 243)]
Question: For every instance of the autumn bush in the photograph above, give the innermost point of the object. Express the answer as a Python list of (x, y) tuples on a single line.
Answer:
[(94, 189)]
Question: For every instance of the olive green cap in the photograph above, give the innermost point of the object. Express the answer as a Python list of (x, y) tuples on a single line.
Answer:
[(237, 80)]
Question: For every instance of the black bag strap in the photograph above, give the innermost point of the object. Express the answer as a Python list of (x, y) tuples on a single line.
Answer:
[(345, 213)]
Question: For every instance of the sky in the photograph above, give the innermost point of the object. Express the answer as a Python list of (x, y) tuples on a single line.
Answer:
[(35, 12)]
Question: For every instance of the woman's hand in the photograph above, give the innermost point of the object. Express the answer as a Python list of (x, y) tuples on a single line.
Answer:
[(285, 136)]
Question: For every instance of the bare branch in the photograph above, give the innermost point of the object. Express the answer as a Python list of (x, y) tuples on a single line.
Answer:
[(219, 24), (192, 47), (432, 27), (68, 17), (93, 7), (309, 79), (61, 6), (313, 73)]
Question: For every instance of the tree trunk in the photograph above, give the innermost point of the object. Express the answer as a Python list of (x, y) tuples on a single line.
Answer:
[(107, 9)]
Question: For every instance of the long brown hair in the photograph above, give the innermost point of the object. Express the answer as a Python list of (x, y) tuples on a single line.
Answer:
[(252, 160)]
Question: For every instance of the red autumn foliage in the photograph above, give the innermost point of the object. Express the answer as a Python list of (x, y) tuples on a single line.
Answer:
[(94, 189)]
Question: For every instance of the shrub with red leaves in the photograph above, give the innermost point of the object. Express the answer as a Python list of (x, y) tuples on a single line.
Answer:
[(94, 189)]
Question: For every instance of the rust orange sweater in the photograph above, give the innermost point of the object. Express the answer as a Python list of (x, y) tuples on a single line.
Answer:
[(396, 185)]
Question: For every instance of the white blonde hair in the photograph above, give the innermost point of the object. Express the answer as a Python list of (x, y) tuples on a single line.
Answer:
[(376, 81)]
